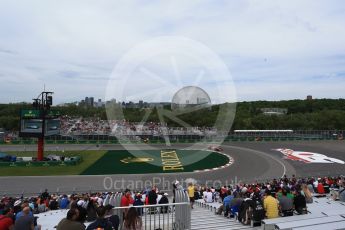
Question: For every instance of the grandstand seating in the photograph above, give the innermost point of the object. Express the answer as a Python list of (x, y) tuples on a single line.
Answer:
[(203, 218), (321, 212), (309, 222)]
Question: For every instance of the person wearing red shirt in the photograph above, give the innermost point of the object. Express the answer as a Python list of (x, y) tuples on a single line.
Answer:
[(6, 221), (223, 192), (126, 200), (320, 188)]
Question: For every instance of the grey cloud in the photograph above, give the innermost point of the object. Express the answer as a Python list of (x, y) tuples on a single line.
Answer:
[(265, 44)]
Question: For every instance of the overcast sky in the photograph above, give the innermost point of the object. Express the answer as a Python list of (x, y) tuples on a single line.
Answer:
[(274, 50)]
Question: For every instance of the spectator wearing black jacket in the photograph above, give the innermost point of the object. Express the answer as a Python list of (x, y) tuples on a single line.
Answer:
[(45, 195), (300, 203), (164, 200), (152, 199), (101, 221), (114, 219), (138, 202)]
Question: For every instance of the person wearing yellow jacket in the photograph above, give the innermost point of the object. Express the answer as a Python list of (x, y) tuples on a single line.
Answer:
[(271, 205)]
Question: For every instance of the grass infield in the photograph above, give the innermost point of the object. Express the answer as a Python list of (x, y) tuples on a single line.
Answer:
[(190, 160), (123, 162)]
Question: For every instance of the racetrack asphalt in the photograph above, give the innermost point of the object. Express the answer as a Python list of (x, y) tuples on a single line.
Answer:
[(252, 161)]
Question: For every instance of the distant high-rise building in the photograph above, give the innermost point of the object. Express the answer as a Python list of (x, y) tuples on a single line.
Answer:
[(309, 97), (89, 101), (141, 104)]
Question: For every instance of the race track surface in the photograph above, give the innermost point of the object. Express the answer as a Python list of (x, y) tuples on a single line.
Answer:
[(252, 161)]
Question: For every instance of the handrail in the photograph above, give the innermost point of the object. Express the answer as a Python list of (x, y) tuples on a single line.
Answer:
[(152, 205)]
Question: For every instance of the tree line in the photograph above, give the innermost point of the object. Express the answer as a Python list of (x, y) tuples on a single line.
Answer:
[(317, 114)]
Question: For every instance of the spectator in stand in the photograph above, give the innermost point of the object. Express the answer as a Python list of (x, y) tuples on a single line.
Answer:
[(227, 203), (258, 207), (152, 197), (326, 186), (53, 204), (21, 213), (223, 192), (310, 187), (114, 219), (132, 220), (91, 210), (177, 186), (70, 222), (197, 193), (83, 202), (307, 194), (63, 203), (320, 188), (285, 204), (287, 190), (25, 221), (164, 200), (45, 195), (35, 209), (300, 204), (126, 201), (42, 206), (236, 202), (101, 222), (82, 214), (208, 196), (270, 205), (138, 202), (245, 210), (73, 202), (190, 191), (6, 219), (342, 192)]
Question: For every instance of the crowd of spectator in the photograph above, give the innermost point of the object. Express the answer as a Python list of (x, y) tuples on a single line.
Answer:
[(276, 198), (95, 209), (85, 126), (96, 126)]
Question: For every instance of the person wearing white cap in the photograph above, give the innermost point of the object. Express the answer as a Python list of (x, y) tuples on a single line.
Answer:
[(17, 203), (81, 203)]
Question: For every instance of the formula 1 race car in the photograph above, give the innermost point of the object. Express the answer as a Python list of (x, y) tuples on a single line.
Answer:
[(216, 148)]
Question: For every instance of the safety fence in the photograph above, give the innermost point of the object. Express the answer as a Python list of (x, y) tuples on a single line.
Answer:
[(175, 216), (156, 139)]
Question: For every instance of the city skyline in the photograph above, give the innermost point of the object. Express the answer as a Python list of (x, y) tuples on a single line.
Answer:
[(273, 50)]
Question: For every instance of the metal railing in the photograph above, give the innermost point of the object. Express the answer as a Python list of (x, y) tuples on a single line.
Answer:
[(176, 216), (185, 137), (161, 216)]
